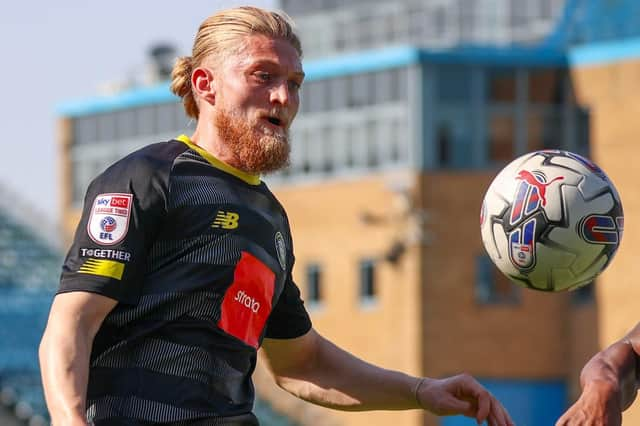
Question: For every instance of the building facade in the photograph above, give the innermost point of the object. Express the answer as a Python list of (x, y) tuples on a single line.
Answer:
[(409, 109)]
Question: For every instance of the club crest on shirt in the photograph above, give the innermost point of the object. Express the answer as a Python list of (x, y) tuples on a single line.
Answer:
[(281, 250), (109, 219)]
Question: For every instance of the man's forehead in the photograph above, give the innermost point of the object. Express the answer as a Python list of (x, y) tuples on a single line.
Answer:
[(259, 49)]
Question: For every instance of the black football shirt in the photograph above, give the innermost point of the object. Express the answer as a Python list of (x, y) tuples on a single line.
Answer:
[(199, 256)]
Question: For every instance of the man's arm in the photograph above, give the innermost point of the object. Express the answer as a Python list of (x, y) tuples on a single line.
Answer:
[(314, 369), (64, 353), (609, 384)]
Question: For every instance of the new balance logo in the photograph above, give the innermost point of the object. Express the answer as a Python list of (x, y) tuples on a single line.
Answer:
[(226, 220)]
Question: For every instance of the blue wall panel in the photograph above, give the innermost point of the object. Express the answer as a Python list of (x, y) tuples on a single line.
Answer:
[(530, 403)]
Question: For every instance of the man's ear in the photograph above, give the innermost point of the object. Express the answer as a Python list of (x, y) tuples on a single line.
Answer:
[(203, 84)]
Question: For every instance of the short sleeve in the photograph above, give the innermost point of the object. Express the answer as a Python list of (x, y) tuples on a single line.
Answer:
[(289, 318), (123, 210)]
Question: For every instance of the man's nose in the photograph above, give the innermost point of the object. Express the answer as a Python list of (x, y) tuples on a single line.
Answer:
[(280, 93)]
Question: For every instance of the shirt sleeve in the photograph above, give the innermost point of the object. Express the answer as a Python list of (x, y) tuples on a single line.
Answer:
[(123, 210), (289, 318)]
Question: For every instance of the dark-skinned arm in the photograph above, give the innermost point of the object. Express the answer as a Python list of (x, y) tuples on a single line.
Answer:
[(609, 384)]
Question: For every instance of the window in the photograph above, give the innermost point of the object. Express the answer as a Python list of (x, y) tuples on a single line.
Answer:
[(582, 131), (183, 122), (501, 85), (338, 88), (443, 138), (314, 96), (501, 130), (146, 119), (454, 84), (545, 86), (383, 86), (126, 123), (454, 136), (492, 286), (371, 145), (544, 130), (107, 126), (314, 284), (85, 129), (360, 90), (367, 281), (166, 118)]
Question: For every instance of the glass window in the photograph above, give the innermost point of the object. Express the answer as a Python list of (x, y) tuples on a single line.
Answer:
[(360, 90), (367, 280), (418, 23), (166, 118), (371, 146), (544, 130), (339, 88), (349, 147), (329, 154), (501, 137), (454, 136), (182, 121), (545, 86), (454, 83), (582, 131), (383, 86), (78, 183), (146, 120), (315, 96), (492, 286), (85, 129), (107, 126), (396, 145), (401, 79), (314, 283), (125, 123), (501, 85), (444, 141)]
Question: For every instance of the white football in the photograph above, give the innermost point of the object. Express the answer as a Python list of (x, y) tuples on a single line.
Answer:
[(551, 220)]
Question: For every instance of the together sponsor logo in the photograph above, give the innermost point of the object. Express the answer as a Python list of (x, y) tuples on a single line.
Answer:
[(106, 254), (226, 220), (247, 301)]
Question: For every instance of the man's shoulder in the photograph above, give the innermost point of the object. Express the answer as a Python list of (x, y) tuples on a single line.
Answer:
[(156, 153), (150, 158)]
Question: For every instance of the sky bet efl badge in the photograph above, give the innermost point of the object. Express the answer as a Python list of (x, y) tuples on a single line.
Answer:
[(109, 219)]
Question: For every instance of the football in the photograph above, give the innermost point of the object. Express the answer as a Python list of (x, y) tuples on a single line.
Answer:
[(551, 220)]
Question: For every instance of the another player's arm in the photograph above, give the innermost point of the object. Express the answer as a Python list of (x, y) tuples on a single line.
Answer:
[(314, 369), (609, 384), (616, 368), (74, 320)]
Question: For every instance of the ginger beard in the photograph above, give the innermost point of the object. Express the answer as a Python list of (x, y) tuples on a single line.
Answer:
[(256, 149)]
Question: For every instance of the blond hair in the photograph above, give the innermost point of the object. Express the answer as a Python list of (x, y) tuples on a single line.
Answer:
[(223, 34)]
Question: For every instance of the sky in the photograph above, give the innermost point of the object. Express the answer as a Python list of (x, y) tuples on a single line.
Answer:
[(64, 50)]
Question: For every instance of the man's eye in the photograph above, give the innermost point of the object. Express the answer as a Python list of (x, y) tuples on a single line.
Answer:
[(294, 85), (263, 76)]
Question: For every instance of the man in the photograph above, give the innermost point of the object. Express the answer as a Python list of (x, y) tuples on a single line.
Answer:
[(181, 265), (609, 385)]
